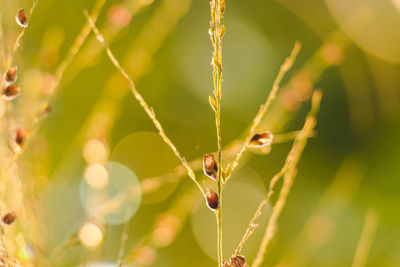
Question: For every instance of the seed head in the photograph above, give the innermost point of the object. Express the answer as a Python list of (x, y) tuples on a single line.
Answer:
[(11, 92), (212, 199), (22, 18), (12, 74), (226, 263), (20, 136), (261, 139), (210, 166), (238, 261), (9, 218)]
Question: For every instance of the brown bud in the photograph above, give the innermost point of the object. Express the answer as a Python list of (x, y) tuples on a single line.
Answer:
[(12, 74), (238, 261), (47, 110), (210, 166), (20, 136), (226, 263), (9, 218), (21, 18), (11, 92), (212, 199), (262, 139)]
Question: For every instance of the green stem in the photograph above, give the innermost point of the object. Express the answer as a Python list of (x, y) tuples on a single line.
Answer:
[(216, 39), (219, 184)]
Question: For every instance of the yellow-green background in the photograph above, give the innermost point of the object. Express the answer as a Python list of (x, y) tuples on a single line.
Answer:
[(358, 125)]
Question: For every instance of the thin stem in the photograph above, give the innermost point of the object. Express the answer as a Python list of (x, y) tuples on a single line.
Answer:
[(179, 209), (17, 42), (3, 236), (367, 236), (216, 31), (79, 41), (149, 111), (263, 109), (218, 214), (124, 238), (288, 172), (252, 225), (65, 63)]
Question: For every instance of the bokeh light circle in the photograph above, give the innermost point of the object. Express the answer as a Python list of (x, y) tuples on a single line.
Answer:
[(117, 201), (91, 235), (152, 161), (371, 24)]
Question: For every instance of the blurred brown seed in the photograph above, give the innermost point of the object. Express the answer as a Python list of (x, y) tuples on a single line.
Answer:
[(47, 110), (11, 92), (12, 74), (261, 139), (212, 199), (210, 166), (222, 6), (22, 18), (20, 136), (238, 261), (226, 263), (9, 218)]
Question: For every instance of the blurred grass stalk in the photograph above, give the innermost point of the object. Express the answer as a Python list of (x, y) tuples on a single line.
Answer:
[(320, 228), (103, 116), (288, 172), (149, 40), (367, 236), (12, 191)]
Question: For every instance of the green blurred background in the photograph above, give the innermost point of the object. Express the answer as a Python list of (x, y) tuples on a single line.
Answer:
[(350, 49)]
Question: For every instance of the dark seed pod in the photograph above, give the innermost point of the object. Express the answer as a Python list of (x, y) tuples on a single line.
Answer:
[(238, 261), (12, 74), (11, 92), (22, 18), (261, 139), (210, 166), (9, 218), (222, 6), (212, 199), (47, 110), (20, 136)]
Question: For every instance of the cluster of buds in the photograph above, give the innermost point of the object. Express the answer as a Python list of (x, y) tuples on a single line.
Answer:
[(9, 218), (261, 139), (210, 168), (235, 261), (11, 91)]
